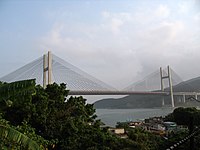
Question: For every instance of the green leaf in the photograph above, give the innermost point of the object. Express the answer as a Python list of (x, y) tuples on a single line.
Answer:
[(15, 88), (17, 137)]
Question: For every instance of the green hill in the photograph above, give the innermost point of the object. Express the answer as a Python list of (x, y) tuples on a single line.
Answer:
[(132, 101)]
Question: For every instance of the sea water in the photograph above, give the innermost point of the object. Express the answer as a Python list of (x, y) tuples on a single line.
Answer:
[(111, 116)]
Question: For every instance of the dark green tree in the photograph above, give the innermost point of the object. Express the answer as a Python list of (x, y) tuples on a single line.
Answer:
[(11, 138), (21, 136), (15, 100), (57, 121), (189, 117), (146, 140), (70, 122)]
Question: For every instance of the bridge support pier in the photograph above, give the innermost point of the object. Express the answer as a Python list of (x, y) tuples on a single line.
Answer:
[(196, 96), (162, 86), (47, 67), (179, 98), (184, 98), (170, 85)]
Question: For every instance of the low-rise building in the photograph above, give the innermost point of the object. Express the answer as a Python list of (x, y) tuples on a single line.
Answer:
[(135, 124), (119, 132)]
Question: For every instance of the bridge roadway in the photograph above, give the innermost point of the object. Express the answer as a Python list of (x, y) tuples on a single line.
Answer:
[(186, 93), (131, 93), (116, 93)]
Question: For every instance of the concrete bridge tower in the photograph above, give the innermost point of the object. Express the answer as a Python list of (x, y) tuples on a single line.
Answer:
[(169, 77), (47, 69)]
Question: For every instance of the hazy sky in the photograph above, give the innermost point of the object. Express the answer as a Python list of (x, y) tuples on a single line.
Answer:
[(117, 41)]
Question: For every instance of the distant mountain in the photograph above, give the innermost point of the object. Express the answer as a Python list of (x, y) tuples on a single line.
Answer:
[(192, 85), (132, 101), (150, 101)]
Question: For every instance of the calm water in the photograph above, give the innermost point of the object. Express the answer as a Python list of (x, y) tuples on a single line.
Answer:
[(111, 116)]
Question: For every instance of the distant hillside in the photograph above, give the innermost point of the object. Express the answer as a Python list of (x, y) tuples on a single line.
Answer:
[(150, 101), (192, 85), (132, 101)]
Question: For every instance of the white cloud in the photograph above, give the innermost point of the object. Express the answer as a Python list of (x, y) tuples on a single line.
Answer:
[(115, 25), (105, 14), (134, 42), (184, 7), (197, 17), (170, 30), (115, 21), (149, 16), (162, 11)]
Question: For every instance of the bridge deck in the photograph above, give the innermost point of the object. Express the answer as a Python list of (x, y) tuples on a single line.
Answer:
[(130, 93), (116, 93), (186, 93)]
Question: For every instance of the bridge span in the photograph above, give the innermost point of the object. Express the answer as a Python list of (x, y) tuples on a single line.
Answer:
[(50, 68), (186, 93), (132, 93), (117, 93), (183, 94)]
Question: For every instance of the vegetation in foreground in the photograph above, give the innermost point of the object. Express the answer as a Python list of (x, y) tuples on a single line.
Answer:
[(36, 118), (46, 117)]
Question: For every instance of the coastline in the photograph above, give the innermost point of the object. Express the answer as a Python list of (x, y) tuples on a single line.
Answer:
[(111, 116)]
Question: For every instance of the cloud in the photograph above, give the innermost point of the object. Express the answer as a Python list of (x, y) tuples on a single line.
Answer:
[(197, 17), (137, 42), (162, 11), (115, 25), (114, 21), (184, 7), (168, 31), (148, 16)]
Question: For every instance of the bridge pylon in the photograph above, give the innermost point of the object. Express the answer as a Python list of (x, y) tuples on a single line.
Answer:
[(169, 77), (47, 69)]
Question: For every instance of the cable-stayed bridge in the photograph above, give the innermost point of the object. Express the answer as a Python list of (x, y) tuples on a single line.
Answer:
[(50, 68), (152, 82), (61, 72)]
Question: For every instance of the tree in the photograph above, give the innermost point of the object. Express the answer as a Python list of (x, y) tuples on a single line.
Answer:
[(146, 140), (19, 137), (54, 120), (70, 122), (8, 90), (189, 117), (11, 138), (15, 100), (183, 116)]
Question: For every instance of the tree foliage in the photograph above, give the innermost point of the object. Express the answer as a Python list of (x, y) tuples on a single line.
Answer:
[(189, 117), (15, 100), (71, 122), (145, 140), (19, 140), (21, 137), (183, 116), (8, 90), (57, 122)]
